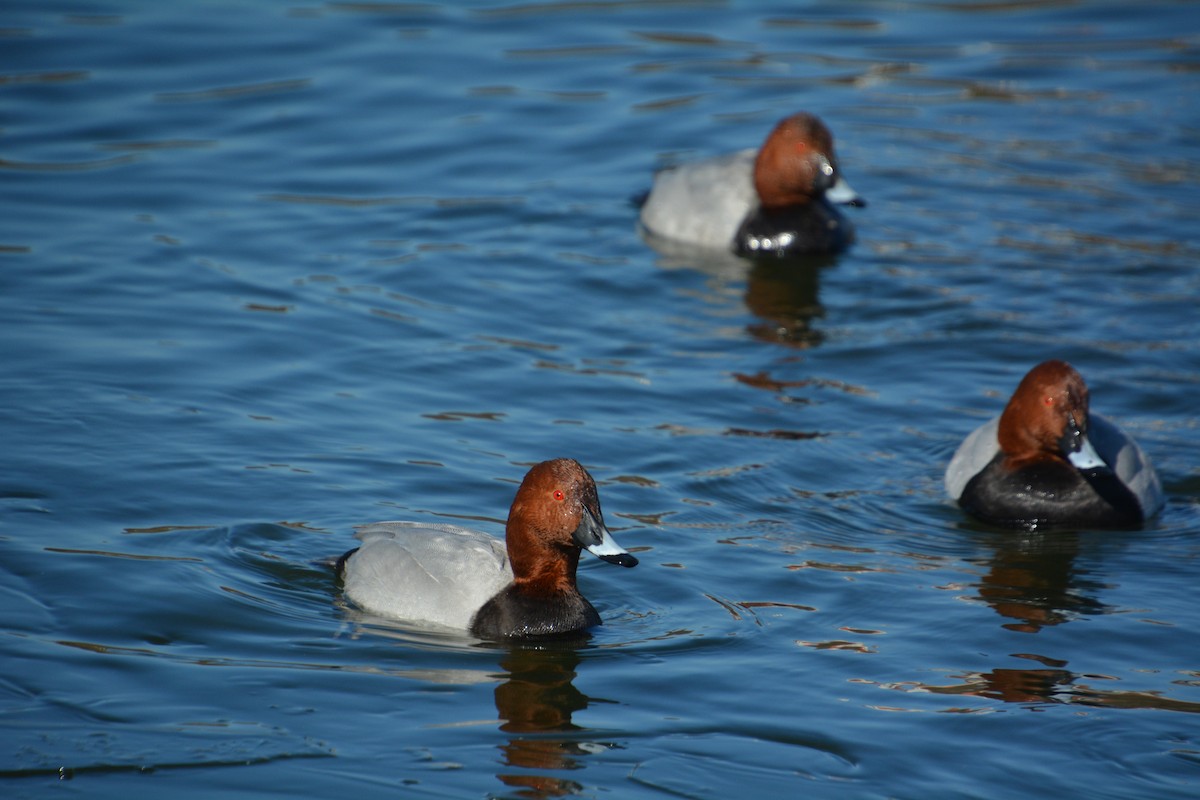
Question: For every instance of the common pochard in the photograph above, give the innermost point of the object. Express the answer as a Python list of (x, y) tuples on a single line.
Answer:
[(1047, 463), (454, 577), (776, 201)]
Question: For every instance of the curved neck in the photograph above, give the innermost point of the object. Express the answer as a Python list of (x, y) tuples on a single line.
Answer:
[(540, 568)]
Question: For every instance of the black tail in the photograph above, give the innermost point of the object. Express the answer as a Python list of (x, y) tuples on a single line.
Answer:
[(340, 566)]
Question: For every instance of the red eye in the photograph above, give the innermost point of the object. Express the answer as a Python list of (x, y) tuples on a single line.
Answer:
[(1049, 401), (558, 495)]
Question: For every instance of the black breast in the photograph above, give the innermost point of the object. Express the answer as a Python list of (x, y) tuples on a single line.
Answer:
[(1050, 495), (816, 227), (513, 615)]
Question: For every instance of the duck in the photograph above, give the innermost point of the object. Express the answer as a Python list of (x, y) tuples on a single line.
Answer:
[(775, 201), (1049, 463), (448, 576)]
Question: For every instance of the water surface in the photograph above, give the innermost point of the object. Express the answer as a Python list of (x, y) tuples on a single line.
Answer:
[(268, 272)]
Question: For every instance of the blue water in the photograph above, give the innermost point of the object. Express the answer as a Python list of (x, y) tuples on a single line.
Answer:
[(271, 270)]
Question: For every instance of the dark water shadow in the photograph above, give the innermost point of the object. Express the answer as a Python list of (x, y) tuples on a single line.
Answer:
[(535, 700), (535, 704), (783, 293), (1033, 583)]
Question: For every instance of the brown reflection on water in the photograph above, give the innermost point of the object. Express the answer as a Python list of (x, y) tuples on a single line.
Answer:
[(783, 295), (1056, 686), (1033, 582), (1011, 685), (535, 703), (764, 380)]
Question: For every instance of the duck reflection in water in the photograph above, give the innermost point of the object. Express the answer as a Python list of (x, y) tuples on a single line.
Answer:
[(535, 703), (783, 295), (781, 292), (1014, 685), (1032, 582)]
